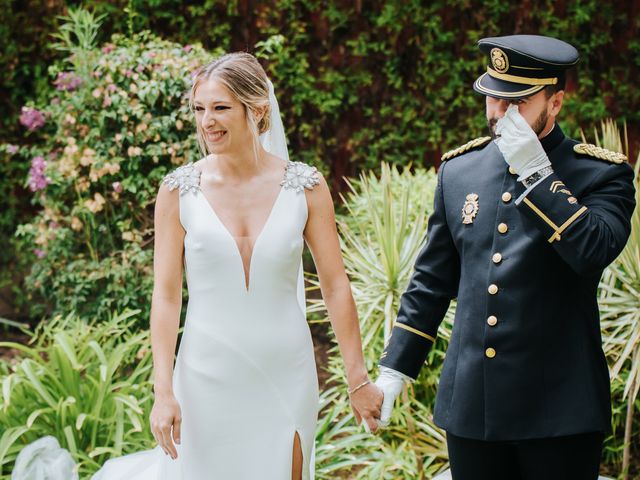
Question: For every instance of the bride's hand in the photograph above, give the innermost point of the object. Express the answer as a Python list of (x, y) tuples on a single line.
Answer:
[(366, 403), (166, 419)]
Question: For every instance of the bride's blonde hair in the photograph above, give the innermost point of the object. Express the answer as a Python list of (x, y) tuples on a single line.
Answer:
[(245, 78)]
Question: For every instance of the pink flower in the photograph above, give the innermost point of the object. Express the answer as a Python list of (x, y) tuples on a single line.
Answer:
[(111, 87), (108, 48), (67, 81), (117, 187), (11, 149), (31, 118), (39, 253), (187, 48), (37, 179)]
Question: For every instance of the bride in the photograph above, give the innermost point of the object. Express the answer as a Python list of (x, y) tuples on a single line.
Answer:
[(241, 402)]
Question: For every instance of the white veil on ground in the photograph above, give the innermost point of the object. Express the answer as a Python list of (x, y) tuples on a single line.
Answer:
[(274, 141)]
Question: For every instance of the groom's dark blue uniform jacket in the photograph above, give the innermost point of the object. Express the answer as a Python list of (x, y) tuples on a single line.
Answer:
[(525, 358)]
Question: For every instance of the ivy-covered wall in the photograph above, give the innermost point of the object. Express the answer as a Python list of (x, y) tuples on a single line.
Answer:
[(360, 81)]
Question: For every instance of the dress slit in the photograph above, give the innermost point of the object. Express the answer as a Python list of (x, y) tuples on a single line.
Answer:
[(304, 472)]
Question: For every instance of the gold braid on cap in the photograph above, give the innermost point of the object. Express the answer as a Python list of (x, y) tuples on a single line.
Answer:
[(600, 153), (478, 142)]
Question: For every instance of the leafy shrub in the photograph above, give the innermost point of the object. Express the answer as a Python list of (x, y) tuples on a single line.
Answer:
[(117, 122), (86, 384)]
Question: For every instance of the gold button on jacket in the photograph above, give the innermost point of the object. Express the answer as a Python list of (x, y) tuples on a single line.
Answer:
[(506, 197), (503, 227), (497, 257), (490, 352), (493, 289), (492, 320)]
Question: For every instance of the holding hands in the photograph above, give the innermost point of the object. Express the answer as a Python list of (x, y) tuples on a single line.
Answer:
[(373, 403), (519, 144)]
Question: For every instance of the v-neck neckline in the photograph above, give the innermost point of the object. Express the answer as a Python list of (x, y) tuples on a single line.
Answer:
[(246, 273)]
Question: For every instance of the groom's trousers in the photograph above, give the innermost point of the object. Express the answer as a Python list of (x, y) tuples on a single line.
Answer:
[(575, 457)]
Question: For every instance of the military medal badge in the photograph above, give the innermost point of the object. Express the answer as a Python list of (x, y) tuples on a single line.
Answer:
[(470, 208)]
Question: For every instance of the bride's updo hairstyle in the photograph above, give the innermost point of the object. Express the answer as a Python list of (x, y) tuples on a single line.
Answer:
[(245, 78)]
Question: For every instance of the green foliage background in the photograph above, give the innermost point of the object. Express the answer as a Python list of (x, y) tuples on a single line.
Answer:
[(358, 82), (362, 82)]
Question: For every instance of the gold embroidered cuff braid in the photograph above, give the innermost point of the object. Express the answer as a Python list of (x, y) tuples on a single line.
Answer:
[(416, 331)]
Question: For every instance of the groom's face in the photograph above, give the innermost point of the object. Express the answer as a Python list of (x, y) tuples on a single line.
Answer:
[(538, 110)]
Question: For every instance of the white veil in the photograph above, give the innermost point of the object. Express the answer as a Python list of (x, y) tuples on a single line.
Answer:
[(274, 141)]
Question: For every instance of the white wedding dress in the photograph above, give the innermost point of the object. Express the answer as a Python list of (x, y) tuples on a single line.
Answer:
[(245, 374)]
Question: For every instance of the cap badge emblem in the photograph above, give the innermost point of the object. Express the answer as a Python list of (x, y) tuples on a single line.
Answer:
[(499, 60), (470, 209)]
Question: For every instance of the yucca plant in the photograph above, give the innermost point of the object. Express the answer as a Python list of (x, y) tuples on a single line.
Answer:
[(381, 233), (619, 301), (86, 384), (620, 316)]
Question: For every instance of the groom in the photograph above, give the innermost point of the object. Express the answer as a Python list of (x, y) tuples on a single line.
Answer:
[(524, 223)]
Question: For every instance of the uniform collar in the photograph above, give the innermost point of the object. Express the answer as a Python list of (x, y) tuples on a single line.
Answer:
[(552, 139)]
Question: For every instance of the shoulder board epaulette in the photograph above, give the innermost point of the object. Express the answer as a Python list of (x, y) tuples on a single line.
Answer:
[(599, 153), (478, 142)]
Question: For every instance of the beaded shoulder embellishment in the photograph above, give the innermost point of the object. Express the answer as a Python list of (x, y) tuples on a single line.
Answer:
[(186, 178), (299, 176)]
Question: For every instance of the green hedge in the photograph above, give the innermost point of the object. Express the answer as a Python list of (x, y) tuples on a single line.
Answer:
[(362, 82)]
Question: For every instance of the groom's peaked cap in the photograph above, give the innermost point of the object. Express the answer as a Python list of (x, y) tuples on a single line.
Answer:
[(522, 65)]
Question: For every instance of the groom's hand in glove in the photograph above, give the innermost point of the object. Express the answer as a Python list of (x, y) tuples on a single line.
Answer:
[(166, 420), (365, 403), (391, 383), (519, 144)]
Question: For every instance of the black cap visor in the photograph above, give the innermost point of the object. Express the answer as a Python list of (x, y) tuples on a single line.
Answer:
[(494, 87)]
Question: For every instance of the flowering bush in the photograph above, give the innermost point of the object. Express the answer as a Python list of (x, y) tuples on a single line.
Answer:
[(31, 118), (105, 143)]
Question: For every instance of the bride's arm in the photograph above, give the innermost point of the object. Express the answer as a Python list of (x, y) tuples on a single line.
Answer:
[(165, 314), (322, 237)]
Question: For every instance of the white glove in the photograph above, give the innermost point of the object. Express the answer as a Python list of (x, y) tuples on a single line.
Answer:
[(519, 144), (390, 382)]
